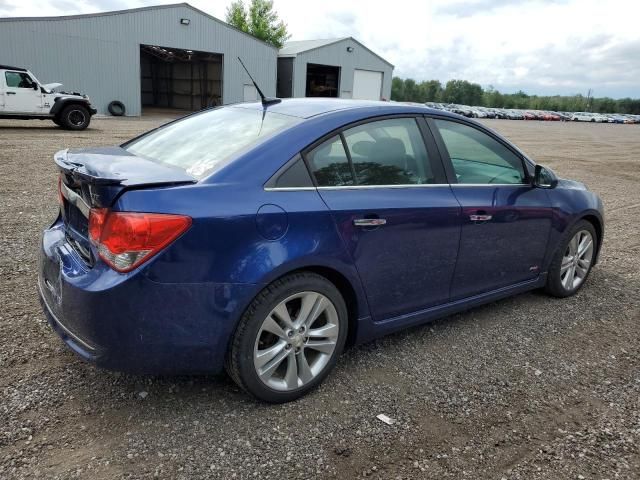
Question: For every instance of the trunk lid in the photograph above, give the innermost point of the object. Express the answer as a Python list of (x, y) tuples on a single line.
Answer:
[(94, 178)]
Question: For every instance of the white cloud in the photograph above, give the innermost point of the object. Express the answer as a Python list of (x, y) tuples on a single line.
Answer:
[(540, 46)]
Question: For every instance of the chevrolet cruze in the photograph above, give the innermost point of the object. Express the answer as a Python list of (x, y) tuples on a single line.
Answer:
[(263, 238)]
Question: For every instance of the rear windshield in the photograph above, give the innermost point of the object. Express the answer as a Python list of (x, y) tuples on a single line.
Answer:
[(200, 143)]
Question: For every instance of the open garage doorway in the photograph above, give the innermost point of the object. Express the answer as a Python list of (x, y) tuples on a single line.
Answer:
[(322, 80), (177, 79)]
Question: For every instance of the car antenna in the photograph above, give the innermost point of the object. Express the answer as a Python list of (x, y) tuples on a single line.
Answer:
[(266, 101)]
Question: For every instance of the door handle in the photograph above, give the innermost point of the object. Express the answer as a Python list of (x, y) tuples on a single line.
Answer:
[(369, 222), (11, 93), (480, 217)]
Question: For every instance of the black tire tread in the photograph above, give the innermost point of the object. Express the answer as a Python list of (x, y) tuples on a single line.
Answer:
[(63, 117)]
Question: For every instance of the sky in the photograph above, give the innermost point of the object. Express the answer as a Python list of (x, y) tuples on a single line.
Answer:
[(539, 46)]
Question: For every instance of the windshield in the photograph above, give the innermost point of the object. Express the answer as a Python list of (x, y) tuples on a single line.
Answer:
[(200, 143)]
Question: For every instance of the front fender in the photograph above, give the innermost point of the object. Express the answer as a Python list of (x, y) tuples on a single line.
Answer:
[(571, 204), (61, 102)]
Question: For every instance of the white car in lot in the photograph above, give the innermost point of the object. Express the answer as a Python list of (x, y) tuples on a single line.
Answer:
[(583, 117), (22, 96), (589, 117)]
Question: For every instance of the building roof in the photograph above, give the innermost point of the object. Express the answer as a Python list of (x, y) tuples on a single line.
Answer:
[(293, 48), (299, 46), (133, 10)]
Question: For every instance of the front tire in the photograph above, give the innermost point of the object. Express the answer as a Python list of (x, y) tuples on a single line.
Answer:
[(74, 117), (289, 338), (573, 260)]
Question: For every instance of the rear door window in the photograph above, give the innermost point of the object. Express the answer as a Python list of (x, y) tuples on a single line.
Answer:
[(389, 152), (330, 164), (379, 153)]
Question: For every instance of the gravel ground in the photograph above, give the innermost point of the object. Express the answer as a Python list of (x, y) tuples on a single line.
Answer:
[(525, 388)]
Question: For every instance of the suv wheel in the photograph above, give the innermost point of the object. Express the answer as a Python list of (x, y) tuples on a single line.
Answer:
[(74, 117), (289, 339)]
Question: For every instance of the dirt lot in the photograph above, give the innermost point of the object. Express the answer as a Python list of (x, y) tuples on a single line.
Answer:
[(525, 388)]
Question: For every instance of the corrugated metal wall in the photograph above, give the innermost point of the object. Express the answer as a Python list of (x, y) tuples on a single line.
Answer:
[(100, 54), (336, 54)]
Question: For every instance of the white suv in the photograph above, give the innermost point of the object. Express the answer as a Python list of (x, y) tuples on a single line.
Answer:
[(23, 97)]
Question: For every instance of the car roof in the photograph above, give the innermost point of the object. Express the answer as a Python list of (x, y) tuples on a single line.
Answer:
[(311, 107), (7, 67)]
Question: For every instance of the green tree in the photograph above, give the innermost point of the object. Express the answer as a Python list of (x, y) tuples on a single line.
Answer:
[(397, 89), (258, 19), (410, 90), (463, 92), (430, 91), (467, 93)]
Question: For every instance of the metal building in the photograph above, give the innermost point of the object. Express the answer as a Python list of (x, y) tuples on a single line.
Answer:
[(339, 67), (169, 56)]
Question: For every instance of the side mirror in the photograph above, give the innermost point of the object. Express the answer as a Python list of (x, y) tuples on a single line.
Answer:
[(544, 177), (36, 86)]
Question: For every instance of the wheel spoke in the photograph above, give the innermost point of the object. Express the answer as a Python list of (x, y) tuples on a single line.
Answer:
[(283, 314), (584, 245), (326, 331), (271, 326), (573, 245), (291, 376), (324, 346), (567, 282), (304, 371), (565, 265), (581, 271), (270, 355), (312, 306), (584, 263)]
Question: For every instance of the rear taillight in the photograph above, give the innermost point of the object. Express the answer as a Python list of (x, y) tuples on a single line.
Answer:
[(125, 240)]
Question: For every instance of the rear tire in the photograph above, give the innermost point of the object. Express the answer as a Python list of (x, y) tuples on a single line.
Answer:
[(289, 338), (74, 117), (573, 260)]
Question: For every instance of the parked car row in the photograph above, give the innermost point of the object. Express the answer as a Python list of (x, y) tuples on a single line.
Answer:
[(516, 114)]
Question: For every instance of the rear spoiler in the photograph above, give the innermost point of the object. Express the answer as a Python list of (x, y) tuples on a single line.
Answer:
[(78, 172), (101, 174)]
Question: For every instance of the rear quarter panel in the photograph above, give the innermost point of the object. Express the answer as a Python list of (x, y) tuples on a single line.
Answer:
[(225, 245)]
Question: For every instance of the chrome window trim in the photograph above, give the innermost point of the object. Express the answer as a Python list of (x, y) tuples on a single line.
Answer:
[(74, 199), (369, 187), (412, 185), (490, 184), (289, 189)]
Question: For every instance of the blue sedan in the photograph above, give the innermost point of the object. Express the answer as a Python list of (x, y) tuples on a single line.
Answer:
[(263, 238)]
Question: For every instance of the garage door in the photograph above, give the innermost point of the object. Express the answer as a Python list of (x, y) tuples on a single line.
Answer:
[(250, 94), (367, 85)]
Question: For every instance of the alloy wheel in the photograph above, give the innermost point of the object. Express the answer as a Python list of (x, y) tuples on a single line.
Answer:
[(76, 118), (576, 261), (296, 341)]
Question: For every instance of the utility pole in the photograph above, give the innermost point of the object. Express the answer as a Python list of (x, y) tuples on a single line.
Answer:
[(589, 93)]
